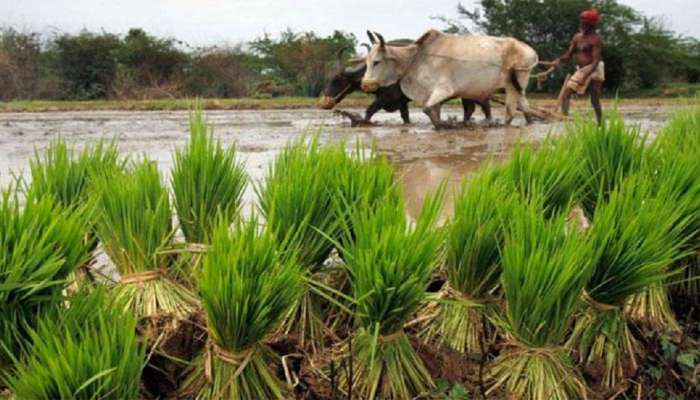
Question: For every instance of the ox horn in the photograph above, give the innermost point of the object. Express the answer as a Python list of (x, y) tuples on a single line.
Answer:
[(381, 39), (371, 37), (368, 47)]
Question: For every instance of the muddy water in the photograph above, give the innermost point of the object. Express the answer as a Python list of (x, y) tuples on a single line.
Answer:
[(423, 156)]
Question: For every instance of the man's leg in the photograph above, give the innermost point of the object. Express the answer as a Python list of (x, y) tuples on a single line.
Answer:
[(596, 88), (565, 100)]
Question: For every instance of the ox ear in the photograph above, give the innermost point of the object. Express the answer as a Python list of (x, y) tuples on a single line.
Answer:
[(382, 43), (371, 37)]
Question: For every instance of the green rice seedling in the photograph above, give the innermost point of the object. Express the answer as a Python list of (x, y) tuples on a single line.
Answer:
[(88, 350), (301, 202), (607, 153), (545, 267), (677, 175), (474, 238), (681, 132), (67, 175), (549, 167), (207, 181), (636, 235), (389, 283), (135, 227), (41, 244), (247, 285)]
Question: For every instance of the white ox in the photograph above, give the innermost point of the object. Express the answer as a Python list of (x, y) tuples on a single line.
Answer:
[(439, 67)]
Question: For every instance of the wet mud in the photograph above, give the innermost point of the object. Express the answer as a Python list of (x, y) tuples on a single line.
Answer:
[(423, 156)]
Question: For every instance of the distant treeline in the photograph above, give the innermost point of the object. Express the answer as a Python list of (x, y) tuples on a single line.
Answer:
[(91, 65), (640, 53)]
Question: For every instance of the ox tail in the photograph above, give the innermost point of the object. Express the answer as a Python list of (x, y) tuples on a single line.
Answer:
[(514, 80)]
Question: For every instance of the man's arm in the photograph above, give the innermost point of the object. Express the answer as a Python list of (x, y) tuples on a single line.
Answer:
[(569, 52)]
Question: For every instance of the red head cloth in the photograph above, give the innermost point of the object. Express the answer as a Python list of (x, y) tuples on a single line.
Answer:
[(590, 17)]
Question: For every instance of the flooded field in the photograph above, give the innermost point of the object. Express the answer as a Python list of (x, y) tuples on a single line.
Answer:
[(423, 156)]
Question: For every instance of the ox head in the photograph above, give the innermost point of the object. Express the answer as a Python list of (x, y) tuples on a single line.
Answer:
[(346, 81), (382, 66)]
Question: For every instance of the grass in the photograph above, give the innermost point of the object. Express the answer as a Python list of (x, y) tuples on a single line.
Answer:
[(607, 153), (41, 244), (388, 285), (474, 239), (135, 227), (247, 287), (636, 238), (548, 167), (207, 180), (309, 193), (545, 267), (67, 174), (88, 350)]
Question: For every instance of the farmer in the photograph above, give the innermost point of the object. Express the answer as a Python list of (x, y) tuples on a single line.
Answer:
[(590, 70)]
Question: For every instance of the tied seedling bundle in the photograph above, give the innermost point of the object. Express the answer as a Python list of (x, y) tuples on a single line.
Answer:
[(677, 149), (41, 244), (135, 227), (474, 239), (67, 174), (607, 154), (88, 350), (549, 168), (637, 235), (389, 264), (208, 182), (247, 286), (545, 267), (308, 194)]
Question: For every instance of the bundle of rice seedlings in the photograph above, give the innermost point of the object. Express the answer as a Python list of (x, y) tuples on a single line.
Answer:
[(390, 263), (607, 153), (41, 243), (677, 175), (247, 286), (550, 168), (207, 180), (473, 266), (67, 174), (309, 192), (545, 267), (636, 236), (88, 350), (135, 227)]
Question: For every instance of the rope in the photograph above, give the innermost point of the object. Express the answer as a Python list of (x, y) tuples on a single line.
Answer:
[(543, 351), (391, 337), (602, 307), (240, 359), (145, 276)]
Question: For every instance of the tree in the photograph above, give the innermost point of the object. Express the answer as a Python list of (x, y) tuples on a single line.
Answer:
[(303, 59), (638, 51), (87, 63)]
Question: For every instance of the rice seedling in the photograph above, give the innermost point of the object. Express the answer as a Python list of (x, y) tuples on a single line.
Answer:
[(545, 267), (473, 267), (247, 286), (301, 202), (41, 243), (636, 235), (549, 167), (67, 175), (388, 285), (135, 227), (207, 182), (677, 176), (88, 350), (607, 154)]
